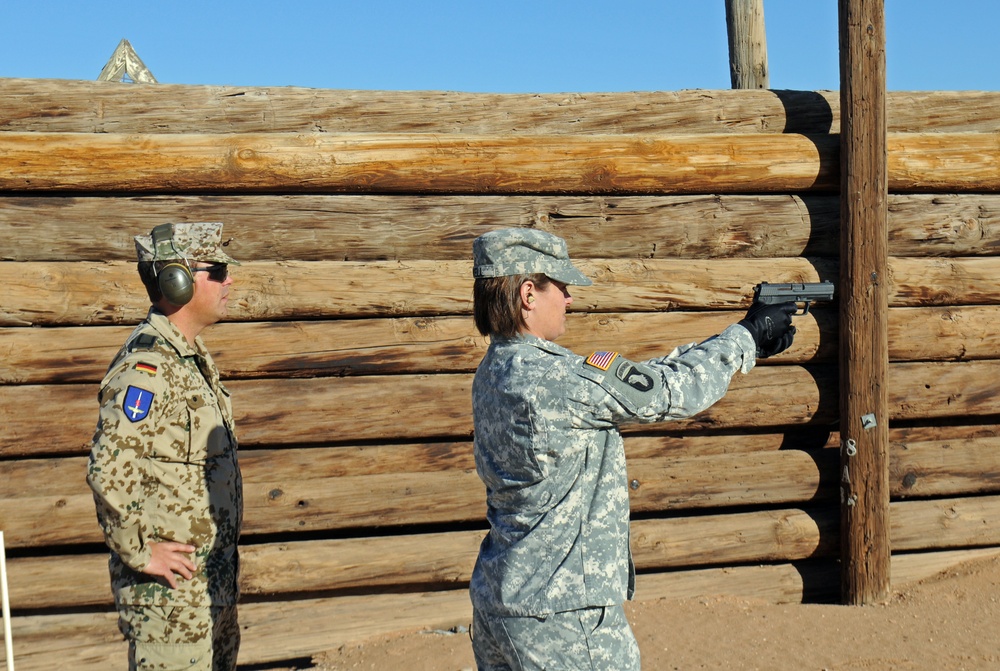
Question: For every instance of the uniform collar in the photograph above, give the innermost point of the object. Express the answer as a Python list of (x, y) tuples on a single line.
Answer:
[(533, 341), (173, 335)]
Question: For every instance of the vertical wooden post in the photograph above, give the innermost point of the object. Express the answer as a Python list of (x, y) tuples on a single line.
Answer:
[(864, 350), (747, 44), (8, 639)]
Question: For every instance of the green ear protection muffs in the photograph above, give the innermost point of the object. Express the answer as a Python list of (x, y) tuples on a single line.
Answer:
[(175, 280), (176, 283)]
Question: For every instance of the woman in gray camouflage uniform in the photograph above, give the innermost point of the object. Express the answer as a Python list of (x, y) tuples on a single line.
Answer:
[(555, 568)]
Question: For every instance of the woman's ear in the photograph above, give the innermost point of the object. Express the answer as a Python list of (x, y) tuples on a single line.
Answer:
[(527, 294)]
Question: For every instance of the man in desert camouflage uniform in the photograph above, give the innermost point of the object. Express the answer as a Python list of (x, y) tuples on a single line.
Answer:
[(163, 466), (555, 568)]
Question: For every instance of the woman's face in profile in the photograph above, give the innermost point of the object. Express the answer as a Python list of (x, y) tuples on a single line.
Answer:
[(547, 319)]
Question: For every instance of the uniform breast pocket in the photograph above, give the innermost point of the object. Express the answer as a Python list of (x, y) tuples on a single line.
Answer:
[(208, 435)]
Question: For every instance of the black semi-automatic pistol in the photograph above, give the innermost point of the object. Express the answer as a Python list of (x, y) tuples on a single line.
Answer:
[(795, 292)]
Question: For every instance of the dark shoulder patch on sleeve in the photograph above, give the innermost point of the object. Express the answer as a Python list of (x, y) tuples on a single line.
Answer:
[(638, 379), (633, 384), (144, 342)]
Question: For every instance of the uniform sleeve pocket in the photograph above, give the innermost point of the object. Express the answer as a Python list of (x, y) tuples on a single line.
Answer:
[(196, 447)]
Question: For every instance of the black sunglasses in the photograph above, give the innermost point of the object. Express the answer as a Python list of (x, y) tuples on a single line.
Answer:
[(217, 272)]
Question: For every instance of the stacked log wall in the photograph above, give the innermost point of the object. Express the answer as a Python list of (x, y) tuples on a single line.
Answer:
[(350, 346)]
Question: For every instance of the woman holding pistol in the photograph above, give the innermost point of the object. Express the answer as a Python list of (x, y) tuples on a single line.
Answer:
[(555, 568)]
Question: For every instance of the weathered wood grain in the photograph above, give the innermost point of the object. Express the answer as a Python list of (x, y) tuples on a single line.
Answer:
[(104, 107), (357, 347), (446, 559), (651, 164), (943, 163), (45, 501), (49, 293), (85, 293), (290, 411), (451, 344), (401, 407), (963, 522), (407, 163), (293, 491), (943, 465), (378, 228), (272, 412), (442, 560), (865, 178)]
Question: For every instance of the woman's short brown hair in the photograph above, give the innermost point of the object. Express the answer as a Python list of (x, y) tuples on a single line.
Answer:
[(496, 303)]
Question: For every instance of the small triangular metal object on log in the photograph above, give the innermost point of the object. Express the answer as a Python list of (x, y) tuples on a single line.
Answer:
[(126, 63)]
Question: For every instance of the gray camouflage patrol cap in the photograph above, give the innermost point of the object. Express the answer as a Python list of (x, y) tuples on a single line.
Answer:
[(201, 241), (524, 251)]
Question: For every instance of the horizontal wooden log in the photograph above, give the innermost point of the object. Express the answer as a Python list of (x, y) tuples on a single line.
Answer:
[(112, 107), (51, 293), (407, 407), (945, 162), (372, 228), (273, 631), (945, 523), (270, 631), (401, 407), (289, 491), (941, 333), (418, 407), (417, 345), (84, 293), (451, 345), (937, 390), (401, 227), (376, 228), (943, 224), (643, 164), (785, 583), (943, 465), (432, 163), (439, 559), (965, 281)]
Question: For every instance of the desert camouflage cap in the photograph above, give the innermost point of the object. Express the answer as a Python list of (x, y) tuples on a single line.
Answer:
[(200, 241), (524, 251)]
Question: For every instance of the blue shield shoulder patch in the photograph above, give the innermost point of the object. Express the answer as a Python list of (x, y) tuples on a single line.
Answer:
[(137, 403)]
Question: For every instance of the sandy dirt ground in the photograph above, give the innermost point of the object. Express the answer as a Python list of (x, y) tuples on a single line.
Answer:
[(950, 622)]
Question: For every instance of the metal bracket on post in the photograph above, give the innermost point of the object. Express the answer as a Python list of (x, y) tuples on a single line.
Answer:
[(850, 447)]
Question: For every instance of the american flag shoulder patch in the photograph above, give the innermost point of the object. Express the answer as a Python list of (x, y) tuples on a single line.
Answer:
[(146, 368), (601, 360)]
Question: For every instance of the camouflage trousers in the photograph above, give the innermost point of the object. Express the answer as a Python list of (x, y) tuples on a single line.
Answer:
[(598, 639), (175, 638)]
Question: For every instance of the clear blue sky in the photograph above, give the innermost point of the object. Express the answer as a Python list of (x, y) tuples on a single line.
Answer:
[(475, 45)]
